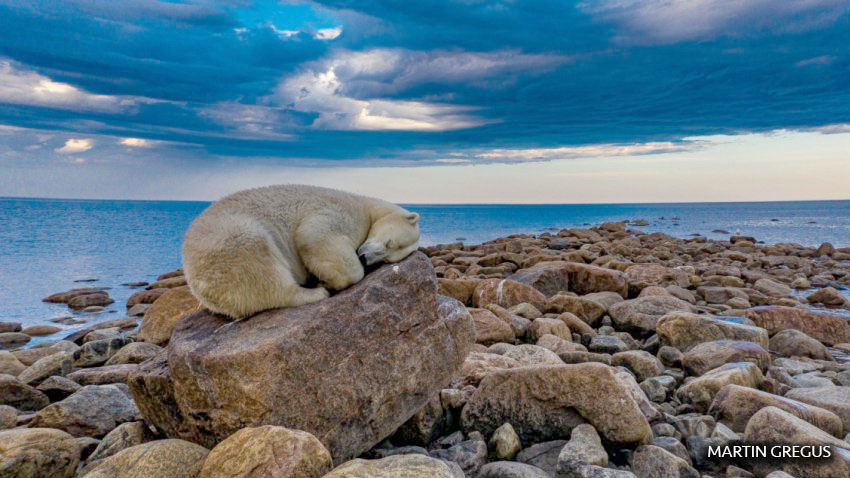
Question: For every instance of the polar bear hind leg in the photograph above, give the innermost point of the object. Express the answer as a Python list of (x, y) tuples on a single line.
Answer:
[(241, 272)]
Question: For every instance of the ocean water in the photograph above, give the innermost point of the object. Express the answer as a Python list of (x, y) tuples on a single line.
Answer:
[(46, 244)]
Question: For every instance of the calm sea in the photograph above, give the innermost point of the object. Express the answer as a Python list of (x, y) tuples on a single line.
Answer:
[(46, 245)]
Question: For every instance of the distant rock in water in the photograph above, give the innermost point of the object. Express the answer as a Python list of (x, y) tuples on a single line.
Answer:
[(720, 231), (350, 369)]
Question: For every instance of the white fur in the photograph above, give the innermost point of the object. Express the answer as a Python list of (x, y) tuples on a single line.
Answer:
[(253, 250)]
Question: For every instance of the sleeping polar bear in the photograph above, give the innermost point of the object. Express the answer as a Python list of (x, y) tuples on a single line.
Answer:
[(253, 250)]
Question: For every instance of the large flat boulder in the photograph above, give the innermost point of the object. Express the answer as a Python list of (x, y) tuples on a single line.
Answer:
[(684, 330), (735, 404), (827, 328), (546, 402), (349, 369), (642, 314), (772, 425), (38, 452), (834, 399)]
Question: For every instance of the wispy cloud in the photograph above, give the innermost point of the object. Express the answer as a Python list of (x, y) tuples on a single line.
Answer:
[(666, 21), (346, 89), (74, 146), (589, 151), (136, 142), (26, 87)]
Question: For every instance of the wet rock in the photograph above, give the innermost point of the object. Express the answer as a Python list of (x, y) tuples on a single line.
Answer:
[(341, 369), (685, 330), (546, 402), (700, 391), (38, 452), (100, 299), (408, 466), (169, 282), (40, 330), (160, 318), (18, 394), (268, 452), (93, 410), (735, 405), (171, 458), (828, 329), (13, 340), (642, 314), (64, 297), (10, 327), (710, 355), (793, 343), (827, 296), (145, 297)]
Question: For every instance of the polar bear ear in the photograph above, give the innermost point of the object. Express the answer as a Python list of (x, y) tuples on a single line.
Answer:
[(412, 217)]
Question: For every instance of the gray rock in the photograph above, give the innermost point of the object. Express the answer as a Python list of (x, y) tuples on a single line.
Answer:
[(16, 393), (56, 364), (653, 461), (94, 410), (57, 388), (470, 455), (97, 352), (510, 469), (542, 455), (583, 448), (134, 352)]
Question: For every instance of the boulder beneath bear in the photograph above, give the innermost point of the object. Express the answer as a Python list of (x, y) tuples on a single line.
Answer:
[(350, 369)]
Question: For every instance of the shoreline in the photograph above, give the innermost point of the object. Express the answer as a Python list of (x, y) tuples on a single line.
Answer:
[(698, 340)]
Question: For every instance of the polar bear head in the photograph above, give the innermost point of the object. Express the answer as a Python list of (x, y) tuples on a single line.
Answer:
[(391, 238)]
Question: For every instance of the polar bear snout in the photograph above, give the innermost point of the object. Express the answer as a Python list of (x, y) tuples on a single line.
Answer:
[(371, 252)]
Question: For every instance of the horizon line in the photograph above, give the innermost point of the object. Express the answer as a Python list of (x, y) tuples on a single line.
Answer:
[(454, 203)]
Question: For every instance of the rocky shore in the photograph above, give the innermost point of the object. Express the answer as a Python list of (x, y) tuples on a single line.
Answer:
[(584, 353)]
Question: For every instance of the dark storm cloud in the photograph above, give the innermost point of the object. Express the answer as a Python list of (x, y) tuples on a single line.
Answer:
[(351, 79)]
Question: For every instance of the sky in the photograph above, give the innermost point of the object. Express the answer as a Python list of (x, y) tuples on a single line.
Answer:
[(465, 101)]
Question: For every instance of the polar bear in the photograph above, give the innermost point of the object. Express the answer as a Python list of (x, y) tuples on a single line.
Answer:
[(255, 249)]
